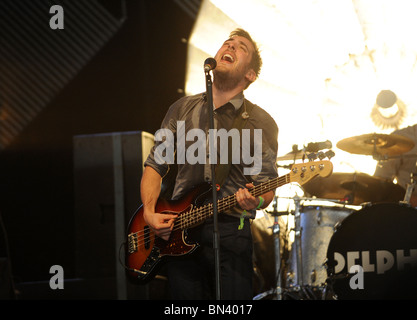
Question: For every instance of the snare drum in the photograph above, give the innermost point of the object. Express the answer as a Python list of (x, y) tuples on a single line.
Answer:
[(373, 254)]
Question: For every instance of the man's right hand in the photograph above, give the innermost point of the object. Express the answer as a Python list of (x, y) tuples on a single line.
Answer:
[(162, 224)]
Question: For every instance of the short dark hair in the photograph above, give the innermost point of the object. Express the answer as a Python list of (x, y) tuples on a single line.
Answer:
[(256, 62)]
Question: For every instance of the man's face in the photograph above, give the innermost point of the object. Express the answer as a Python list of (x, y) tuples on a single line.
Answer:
[(233, 60)]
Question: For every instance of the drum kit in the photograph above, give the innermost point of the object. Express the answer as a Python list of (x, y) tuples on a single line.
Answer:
[(354, 235)]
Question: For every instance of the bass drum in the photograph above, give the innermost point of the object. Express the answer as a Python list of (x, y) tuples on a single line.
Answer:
[(373, 254)]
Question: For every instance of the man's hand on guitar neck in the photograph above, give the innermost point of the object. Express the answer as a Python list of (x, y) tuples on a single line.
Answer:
[(247, 201)]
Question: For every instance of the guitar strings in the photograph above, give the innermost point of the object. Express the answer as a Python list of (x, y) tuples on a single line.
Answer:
[(223, 203), (199, 214), (206, 210)]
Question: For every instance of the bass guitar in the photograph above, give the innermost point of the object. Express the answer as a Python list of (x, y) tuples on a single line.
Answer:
[(145, 251)]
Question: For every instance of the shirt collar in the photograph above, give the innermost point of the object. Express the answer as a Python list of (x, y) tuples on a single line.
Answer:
[(236, 101)]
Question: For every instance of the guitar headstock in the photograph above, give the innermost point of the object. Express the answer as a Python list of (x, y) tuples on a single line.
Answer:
[(304, 172)]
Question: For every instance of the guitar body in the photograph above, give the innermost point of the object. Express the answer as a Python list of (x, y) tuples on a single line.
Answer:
[(145, 251)]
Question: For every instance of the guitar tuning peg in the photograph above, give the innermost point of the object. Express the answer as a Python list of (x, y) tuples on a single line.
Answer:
[(312, 156), (321, 155), (330, 154)]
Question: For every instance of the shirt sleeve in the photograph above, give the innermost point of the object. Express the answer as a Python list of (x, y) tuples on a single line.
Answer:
[(269, 147), (167, 130)]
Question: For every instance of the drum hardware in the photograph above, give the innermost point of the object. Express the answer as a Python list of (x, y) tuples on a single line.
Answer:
[(302, 281), (277, 291), (306, 293), (335, 228), (275, 232), (277, 213), (409, 190), (277, 247), (410, 187), (313, 276), (318, 217), (331, 279), (297, 240)]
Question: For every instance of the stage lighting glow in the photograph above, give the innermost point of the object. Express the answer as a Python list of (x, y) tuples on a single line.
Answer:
[(324, 63)]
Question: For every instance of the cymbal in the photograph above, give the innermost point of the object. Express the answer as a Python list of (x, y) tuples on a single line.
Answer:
[(376, 144), (291, 156), (355, 188)]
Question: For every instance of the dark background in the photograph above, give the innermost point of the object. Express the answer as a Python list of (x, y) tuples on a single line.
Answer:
[(127, 86)]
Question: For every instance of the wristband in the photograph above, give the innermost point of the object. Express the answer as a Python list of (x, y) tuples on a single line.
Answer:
[(242, 219), (261, 202)]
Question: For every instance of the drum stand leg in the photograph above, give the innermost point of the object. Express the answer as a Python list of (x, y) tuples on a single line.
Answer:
[(297, 241), (410, 187), (277, 247)]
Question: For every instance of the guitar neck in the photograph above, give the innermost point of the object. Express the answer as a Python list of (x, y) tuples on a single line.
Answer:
[(230, 201), (300, 173), (197, 215)]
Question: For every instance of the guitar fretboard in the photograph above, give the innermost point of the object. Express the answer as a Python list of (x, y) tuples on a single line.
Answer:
[(196, 215)]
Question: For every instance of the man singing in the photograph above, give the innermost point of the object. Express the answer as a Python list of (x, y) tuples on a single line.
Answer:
[(193, 276)]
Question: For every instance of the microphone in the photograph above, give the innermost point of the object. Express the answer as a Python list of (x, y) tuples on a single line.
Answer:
[(210, 64), (316, 146)]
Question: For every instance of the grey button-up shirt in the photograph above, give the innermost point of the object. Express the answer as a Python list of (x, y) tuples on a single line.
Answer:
[(194, 159)]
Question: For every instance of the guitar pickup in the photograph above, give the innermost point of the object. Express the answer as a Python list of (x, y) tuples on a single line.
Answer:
[(133, 240)]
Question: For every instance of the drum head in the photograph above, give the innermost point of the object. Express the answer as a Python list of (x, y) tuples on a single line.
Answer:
[(382, 240)]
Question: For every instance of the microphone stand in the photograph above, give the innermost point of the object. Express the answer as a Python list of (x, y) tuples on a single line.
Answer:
[(216, 238)]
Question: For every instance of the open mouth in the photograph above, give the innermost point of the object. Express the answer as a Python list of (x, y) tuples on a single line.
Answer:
[(228, 58)]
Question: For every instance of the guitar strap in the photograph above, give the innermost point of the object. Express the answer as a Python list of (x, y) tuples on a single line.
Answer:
[(222, 169)]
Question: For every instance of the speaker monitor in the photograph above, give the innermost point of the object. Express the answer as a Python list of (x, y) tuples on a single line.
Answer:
[(107, 172)]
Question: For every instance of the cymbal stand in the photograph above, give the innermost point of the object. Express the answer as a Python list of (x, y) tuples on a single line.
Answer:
[(297, 240), (277, 252), (375, 154), (410, 187), (277, 248)]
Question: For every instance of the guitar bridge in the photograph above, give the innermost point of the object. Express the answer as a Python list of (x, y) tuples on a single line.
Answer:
[(132, 242)]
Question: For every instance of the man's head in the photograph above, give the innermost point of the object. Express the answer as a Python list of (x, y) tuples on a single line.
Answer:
[(256, 61), (238, 61)]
